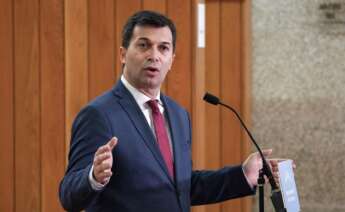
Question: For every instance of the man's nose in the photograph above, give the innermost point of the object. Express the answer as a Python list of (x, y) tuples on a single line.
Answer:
[(153, 54)]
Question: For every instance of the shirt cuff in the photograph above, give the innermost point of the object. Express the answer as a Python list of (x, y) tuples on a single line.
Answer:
[(249, 183), (94, 184)]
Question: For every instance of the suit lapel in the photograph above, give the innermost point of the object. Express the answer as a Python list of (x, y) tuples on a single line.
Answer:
[(175, 139), (133, 111)]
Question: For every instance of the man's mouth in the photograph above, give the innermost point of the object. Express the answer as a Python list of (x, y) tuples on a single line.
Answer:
[(151, 69)]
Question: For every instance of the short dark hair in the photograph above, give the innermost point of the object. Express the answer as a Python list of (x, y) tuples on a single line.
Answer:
[(146, 18)]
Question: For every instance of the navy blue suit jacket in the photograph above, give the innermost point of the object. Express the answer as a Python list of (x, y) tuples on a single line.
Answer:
[(140, 180)]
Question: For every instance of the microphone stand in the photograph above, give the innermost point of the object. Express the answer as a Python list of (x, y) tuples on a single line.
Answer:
[(261, 183), (276, 195)]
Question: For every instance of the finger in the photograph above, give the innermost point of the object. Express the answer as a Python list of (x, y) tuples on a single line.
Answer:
[(104, 177), (102, 157), (274, 164), (102, 149), (102, 167), (293, 164), (275, 169), (107, 147), (275, 175), (105, 180), (112, 143), (273, 161), (277, 179), (267, 152), (101, 175), (105, 166)]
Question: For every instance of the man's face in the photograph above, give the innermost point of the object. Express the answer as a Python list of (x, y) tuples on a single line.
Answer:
[(148, 57)]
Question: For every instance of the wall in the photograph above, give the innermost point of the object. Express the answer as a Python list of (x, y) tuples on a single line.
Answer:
[(298, 96), (223, 69), (57, 55)]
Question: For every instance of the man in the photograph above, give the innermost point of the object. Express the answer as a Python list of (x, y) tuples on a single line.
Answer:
[(130, 147)]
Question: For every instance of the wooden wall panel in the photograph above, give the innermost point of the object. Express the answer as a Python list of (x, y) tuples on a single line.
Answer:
[(226, 72), (101, 57), (27, 107), (155, 5), (122, 12), (52, 102), (213, 84), (231, 88), (246, 86), (6, 107), (246, 73), (57, 55), (179, 80), (212, 81), (199, 141), (76, 58), (231, 78)]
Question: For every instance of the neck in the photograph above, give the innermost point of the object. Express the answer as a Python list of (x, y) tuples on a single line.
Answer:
[(152, 93), (149, 92)]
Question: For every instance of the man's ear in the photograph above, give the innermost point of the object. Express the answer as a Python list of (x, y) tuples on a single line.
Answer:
[(172, 60), (123, 52)]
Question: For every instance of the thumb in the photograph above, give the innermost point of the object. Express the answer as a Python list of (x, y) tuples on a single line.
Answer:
[(267, 152), (112, 143)]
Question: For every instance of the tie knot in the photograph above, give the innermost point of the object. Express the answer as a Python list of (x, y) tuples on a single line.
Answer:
[(153, 105)]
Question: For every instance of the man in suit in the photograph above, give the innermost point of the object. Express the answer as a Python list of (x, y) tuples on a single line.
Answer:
[(131, 147)]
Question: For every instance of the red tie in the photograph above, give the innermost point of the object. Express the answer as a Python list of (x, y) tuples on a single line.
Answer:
[(162, 136)]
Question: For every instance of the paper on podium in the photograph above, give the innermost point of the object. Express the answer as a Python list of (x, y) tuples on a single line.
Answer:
[(288, 186)]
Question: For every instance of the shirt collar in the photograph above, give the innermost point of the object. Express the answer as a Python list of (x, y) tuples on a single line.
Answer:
[(139, 97)]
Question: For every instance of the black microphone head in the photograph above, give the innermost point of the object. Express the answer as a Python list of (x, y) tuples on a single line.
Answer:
[(211, 99)]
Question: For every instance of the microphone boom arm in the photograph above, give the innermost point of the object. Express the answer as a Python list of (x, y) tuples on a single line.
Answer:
[(266, 169), (276, 195)]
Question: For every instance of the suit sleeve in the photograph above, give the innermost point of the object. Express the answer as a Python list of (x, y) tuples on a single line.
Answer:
[(212, 186), (215, 186), (89, 132)]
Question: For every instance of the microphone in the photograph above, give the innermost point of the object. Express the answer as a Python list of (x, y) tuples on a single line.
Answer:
[(276, 195)]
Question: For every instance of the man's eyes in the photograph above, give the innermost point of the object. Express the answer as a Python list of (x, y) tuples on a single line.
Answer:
[(143, 45), (164, 48)]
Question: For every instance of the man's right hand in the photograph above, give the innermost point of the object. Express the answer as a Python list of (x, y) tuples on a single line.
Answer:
[(103, 161)]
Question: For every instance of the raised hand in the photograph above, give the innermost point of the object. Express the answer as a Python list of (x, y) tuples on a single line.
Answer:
[(253, 164), (103, 161)]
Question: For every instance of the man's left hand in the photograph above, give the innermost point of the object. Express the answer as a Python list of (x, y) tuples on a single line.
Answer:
[(253, 164)]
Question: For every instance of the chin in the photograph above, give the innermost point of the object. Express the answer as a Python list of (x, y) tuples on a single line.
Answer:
[(153, 83)]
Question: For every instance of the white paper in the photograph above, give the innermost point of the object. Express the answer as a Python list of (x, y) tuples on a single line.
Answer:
[(288, 186)]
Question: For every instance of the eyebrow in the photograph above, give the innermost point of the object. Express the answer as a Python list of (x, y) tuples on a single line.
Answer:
[(163, 42)]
